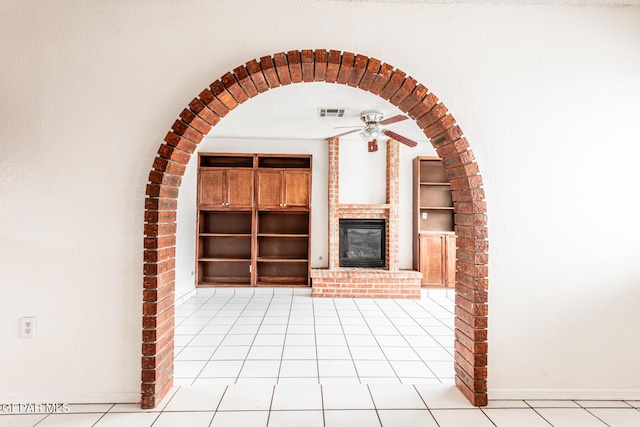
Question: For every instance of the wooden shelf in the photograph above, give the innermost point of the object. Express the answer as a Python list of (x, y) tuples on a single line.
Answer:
[(225, 161), (283, 282), (225, 271), (283, 222), (222, 259), (284, 236), (282, 271), (224, 235), (284, 162), (225, 222)]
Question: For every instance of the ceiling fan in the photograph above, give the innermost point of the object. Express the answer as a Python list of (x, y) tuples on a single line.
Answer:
[(371, 130)]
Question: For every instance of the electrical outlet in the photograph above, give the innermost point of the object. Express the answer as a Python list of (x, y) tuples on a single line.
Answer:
[(28, 327), (424, 215)]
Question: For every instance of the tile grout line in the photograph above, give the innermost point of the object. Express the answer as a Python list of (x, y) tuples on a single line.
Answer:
[(221, 341), (539, 414), (426, 406), (193, 311), (353, 361), (592, 414), (429, 333), (286, 330), (364, 318), (403, 337), (401, 334), (487, 417)]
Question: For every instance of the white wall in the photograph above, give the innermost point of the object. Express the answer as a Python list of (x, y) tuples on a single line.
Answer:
[(549, 98)]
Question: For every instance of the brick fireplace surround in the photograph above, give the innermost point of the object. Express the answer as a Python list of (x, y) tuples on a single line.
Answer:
[(390, 282), (333, 67)]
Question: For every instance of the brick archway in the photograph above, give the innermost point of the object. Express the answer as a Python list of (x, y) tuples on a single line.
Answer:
[(346, 68)]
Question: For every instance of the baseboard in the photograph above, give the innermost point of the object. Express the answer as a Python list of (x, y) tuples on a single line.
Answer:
[(563, 394), (185, 296), (71, 398)]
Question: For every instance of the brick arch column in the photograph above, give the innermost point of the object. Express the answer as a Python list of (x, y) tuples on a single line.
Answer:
[(258, 76)]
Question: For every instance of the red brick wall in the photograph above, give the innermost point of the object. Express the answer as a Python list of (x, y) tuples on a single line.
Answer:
[(258, 76)]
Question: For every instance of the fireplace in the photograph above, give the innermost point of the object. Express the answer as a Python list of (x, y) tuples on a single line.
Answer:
[(358, 269), (362, 243)]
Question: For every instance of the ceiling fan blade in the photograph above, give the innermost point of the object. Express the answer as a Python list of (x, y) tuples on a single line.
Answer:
[(344, 133), (372, 145), (394, 119), (400, 138)]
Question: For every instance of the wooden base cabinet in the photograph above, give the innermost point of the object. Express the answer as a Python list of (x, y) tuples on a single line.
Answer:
[(437, 259), (253, 220)]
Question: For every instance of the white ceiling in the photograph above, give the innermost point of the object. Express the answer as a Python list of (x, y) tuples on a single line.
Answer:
[(515, 2), (291, 112)]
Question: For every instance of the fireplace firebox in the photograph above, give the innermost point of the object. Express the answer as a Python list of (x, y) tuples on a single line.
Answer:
[(362, 243)]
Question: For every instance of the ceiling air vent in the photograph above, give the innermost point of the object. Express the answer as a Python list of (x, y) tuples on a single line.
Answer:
[(331, 112)]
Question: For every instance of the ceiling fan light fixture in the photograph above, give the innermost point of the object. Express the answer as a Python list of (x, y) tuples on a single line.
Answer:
[(371, 116), (370, 132), (374, 132)]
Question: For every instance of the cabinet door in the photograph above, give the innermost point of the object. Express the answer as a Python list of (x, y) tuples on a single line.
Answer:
[(239, 188), (212, 188), (296, 191), (269, 184), (431, 259), (437, 259)]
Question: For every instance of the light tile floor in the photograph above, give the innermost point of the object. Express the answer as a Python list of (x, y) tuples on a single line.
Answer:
[(282, 335), (329, 405), (265, 359)]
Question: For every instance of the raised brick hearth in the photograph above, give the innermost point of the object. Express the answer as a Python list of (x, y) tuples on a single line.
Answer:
[(365, 283), (390, 282)]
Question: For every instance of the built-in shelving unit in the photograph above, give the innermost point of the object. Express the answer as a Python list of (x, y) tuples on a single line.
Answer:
[(434, 239), (283, 247), (253, 220), (224, 247)]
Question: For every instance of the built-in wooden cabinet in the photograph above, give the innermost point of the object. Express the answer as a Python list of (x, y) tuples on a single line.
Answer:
[(283, 188), (434, 239), (253, 220), (437, 259), (226, 188)]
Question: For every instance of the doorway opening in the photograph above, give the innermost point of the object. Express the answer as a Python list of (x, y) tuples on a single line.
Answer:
[(330, 66)]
